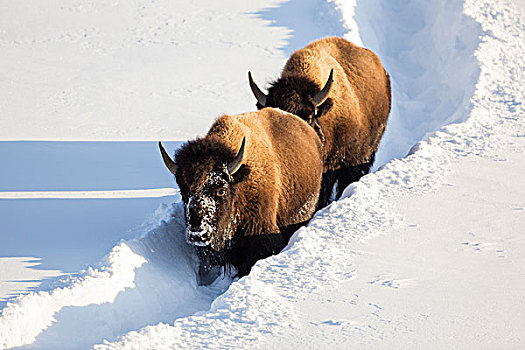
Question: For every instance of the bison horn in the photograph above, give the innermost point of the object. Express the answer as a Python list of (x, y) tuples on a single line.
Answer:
[(237, 162), (170, 164), (259, 95), (322, 95)]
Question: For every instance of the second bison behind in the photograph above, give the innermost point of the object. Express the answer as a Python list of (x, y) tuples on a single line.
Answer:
[(343, 91)]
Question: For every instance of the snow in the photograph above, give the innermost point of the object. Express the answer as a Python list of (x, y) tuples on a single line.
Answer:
[(18, 273), (447, 277), (95, 287), (91, 77), (425, 251)]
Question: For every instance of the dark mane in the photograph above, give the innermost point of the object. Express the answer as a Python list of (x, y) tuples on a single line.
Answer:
[(204, 149), (291, 93), (305, 85), (198, 156)]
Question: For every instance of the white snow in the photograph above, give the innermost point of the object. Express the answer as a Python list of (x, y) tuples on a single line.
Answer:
[(18, 274), (425, 252), (36, 310), (125, 70)]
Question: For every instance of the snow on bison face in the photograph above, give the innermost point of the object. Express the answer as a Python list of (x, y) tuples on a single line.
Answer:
[(209, 193), (210, 210)]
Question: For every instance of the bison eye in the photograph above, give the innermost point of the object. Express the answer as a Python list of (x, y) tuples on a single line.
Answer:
[(220, 192)]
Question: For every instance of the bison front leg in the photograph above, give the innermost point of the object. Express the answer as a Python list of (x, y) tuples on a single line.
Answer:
[(248, 250), (347, 175), (207, 274), (327, 187)]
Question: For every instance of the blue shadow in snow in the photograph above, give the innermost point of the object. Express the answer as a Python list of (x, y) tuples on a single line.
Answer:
[(308, 20), (69, 234), (75, 166)]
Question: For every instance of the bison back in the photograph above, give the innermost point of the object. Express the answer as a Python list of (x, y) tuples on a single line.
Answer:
[(284, 156), (360, 94)]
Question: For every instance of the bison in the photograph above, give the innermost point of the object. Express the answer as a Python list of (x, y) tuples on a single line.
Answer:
[(349, 111), (247, 186)]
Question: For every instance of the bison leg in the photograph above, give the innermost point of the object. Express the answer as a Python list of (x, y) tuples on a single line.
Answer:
[(350, 174), (289, 230), (327, 186), (248, 250)]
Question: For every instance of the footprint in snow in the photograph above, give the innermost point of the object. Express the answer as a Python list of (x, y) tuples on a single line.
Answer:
[(391, 282)]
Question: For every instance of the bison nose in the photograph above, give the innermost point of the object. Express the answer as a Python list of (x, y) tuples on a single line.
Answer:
[(198, 233), (199, 238), (194, 222), (195, 229)]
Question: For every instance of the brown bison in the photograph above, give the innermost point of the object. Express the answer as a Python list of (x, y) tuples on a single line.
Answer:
[(349, 112), (246, 186)]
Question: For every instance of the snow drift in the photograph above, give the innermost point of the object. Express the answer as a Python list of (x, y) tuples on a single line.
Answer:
[(142, 281), (445, 61)]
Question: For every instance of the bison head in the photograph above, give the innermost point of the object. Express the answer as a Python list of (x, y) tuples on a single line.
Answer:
[(208, 173), (297, 95)]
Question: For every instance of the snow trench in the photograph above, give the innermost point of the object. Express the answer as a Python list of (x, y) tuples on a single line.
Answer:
[(444, 62), (428, 49)]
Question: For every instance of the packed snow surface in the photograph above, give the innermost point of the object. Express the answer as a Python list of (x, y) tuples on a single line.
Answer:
[(426, 251)]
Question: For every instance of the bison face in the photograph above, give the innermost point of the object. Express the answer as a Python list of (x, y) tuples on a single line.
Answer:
[(297, 95), (211, 211), (209, 193)]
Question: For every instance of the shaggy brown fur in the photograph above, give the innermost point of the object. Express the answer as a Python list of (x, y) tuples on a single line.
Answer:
[(276, 187), (352, 120)]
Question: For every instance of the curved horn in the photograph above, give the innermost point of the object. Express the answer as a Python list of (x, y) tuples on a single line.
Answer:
[(322, 95), (259, 95), (236, 163), (170, 164)]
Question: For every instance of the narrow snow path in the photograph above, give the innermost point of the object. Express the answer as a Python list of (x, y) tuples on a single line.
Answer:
[(428, 49)]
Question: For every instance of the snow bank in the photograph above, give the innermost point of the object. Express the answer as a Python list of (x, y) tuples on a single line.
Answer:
[(428, 49), (142, 281), (234, 320), (24, 319)]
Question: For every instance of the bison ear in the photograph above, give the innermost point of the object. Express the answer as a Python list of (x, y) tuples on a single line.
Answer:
[(322, 95), (236, 163), (170, 164), (259, 95)]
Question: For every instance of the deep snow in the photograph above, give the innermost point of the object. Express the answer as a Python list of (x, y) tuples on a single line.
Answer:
[(424, 252)]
